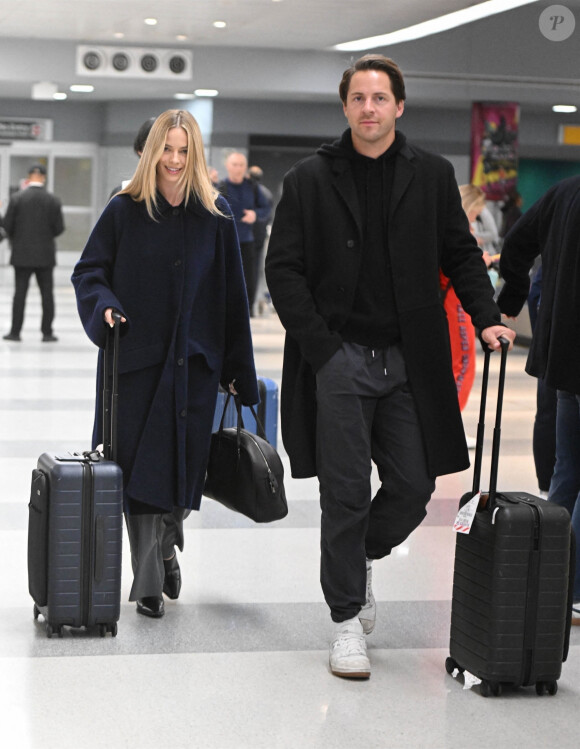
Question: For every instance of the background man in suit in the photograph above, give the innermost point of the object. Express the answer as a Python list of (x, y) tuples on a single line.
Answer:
[(33, 220)]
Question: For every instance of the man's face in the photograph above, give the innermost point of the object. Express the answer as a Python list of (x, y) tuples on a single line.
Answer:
[(371, 110), (236, 166)]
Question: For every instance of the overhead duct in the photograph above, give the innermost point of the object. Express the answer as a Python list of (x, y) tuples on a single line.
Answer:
[(133, 62)]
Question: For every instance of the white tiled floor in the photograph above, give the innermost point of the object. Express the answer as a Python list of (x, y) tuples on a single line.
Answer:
[(241, 659)]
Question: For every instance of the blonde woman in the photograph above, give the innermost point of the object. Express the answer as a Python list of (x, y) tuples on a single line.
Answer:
[(165, 254)]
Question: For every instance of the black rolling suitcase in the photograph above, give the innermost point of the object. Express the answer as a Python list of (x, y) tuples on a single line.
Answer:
[(513, 581), (76, 525)]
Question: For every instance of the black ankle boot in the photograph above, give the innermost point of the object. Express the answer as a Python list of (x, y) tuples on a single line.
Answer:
[(152, 606), (172, 582)]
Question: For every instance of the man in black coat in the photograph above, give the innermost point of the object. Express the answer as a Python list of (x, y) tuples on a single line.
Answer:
[(358, 239), (33, 220), (551, 227)]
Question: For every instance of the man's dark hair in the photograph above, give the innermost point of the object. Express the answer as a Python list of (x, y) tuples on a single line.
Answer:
[(37, 169), (141, 137), (374, 62)]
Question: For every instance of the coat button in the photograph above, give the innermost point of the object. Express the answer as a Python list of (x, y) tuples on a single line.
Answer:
[(177, 263), (180, 362), (341, 289), (175, 211), (350, 244), (183, 413)]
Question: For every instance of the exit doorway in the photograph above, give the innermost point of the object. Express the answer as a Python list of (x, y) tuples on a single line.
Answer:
[(71, 176)]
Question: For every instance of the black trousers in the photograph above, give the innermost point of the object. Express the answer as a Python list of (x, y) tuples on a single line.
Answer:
[(248, 250), (365, 415), (21, 282), (544, 436)]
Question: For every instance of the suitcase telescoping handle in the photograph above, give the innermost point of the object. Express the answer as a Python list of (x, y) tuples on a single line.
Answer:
[(111, 388), (497, 428)]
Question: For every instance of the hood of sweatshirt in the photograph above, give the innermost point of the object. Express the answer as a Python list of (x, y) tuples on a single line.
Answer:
[(343, 148)]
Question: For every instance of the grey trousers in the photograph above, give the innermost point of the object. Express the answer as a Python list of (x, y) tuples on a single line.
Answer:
[(365, 413), (152, 539)]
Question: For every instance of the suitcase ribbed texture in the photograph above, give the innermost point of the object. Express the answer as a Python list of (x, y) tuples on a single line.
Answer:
[(85, 527), (512, 580), (510, 592)]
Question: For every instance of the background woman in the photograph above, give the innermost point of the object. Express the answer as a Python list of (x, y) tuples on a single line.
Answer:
[(461, 330), (165, 254)]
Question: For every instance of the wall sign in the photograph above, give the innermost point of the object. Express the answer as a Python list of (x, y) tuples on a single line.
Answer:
[(25, 128)]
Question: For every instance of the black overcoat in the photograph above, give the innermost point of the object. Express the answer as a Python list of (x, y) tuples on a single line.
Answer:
[(33, 220), (312, 268), (551, 227), (179, 283)]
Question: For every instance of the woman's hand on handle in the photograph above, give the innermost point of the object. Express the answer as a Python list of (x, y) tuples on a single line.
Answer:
[(109, 317)]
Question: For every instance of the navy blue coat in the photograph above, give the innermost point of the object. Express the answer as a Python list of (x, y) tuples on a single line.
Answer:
[(179, 283)]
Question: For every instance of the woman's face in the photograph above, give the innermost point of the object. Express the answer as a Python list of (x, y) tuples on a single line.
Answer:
[(172, 162)]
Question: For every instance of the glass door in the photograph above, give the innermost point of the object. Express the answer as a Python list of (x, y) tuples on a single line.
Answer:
[(71, 176), (4, 197)]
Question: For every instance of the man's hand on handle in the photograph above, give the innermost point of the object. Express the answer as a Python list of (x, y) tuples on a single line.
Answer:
[(492, 334)]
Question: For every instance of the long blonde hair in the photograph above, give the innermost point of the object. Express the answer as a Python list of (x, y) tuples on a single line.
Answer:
[(472, 198), (194, 180)]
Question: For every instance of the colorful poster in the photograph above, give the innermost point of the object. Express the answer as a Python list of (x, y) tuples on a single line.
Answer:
[(494, 148)]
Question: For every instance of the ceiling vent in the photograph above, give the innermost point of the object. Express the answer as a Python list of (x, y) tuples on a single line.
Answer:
[(133, 62)]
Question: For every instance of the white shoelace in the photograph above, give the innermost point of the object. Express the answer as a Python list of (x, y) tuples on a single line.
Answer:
[(351, 643)]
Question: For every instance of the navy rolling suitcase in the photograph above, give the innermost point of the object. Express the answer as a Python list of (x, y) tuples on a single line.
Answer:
[(267, 411), (219, 408), (513, 581), (75, 529)]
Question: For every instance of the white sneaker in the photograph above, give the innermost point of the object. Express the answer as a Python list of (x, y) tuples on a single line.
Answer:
[(348, 651), (368, 613)]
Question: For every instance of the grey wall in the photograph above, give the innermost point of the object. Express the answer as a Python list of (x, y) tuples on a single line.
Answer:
[(115, 123), (228, 123), (73, 121)]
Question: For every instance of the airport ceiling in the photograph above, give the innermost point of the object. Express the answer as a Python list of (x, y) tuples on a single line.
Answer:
[(281, 49)]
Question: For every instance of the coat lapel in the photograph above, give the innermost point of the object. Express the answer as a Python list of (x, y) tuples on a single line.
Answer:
[(344, 185), (404, 173)]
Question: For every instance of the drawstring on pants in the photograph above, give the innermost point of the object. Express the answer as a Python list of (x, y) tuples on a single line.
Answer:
[(384, 352)]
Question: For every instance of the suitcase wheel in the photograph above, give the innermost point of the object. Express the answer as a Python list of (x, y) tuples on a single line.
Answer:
[(551, 687), (451, 665), (488, 688), (104, 628), (50, 630)]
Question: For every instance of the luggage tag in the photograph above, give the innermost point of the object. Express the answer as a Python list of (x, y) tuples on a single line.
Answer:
[(466, 514)]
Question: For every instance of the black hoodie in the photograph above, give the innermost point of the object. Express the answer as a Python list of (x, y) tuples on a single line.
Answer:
[(373, 319)]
